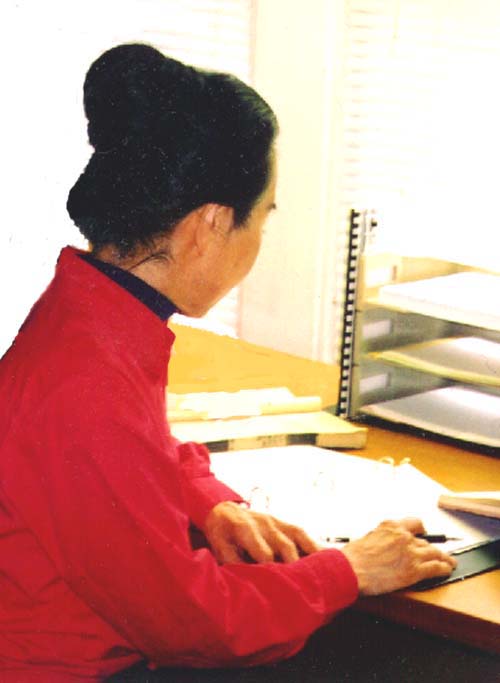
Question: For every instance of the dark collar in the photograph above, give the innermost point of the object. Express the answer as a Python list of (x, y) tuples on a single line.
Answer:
[(149, 296)]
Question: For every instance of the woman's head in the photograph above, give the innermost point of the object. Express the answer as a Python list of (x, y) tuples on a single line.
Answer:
[(168, 139)]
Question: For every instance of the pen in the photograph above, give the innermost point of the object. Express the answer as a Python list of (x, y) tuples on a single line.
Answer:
[(437, 538), (430, 538)]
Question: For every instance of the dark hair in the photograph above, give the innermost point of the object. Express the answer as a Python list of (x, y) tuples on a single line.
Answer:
[(168, 138)]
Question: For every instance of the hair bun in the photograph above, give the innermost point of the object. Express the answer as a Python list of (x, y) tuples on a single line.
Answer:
[(168, 138), (129, 89)]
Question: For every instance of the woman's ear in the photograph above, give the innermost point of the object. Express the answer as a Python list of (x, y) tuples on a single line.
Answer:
[(201, 232), (217, 217), (213, 223)]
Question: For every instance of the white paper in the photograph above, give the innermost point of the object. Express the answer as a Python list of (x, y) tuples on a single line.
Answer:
[(331, 494)]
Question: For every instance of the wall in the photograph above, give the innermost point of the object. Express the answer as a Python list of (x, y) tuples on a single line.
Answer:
[(46, 48), (287, 299), (44, 55)]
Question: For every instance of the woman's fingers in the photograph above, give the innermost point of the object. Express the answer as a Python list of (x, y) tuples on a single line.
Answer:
[(235, 532), (391, 557)]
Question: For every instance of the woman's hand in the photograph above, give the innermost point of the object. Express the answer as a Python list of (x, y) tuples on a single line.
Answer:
[(236, 533), (391, 557)]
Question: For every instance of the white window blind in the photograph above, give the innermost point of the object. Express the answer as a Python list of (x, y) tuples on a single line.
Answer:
[(45, 149), (421, 139)]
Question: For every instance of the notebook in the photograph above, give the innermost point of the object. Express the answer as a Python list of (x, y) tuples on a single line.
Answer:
[(485, 503)]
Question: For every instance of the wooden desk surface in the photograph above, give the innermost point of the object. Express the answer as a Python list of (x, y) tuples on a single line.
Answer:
[(467, 611), (203, 361)]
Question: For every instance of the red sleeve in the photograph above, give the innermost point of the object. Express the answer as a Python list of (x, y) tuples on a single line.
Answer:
[(202, 490), (103, 497)]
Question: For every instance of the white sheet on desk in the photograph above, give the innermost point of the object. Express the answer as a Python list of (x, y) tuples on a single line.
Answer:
[(332, 494)]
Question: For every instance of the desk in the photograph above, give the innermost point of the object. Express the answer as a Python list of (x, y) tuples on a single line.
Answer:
[(203, 361), (468, 612)]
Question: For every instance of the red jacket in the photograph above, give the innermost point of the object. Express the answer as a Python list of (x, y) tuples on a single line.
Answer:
[(96, 497)]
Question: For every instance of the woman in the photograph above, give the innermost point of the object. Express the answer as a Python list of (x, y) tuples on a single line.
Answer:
[(97, 571)]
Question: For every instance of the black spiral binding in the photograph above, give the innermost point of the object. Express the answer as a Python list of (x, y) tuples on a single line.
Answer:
[(361, 228)]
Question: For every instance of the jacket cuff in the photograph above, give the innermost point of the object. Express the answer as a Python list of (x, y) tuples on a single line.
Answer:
[(336, 577), (203, 493), (202, 490)]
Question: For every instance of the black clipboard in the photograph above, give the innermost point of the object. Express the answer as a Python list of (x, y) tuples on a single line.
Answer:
[(470, 562)]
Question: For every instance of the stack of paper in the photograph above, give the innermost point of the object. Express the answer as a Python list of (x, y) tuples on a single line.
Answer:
[(470, 298), (216, 405), (454, 411), (465, 359), (258, 418)]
